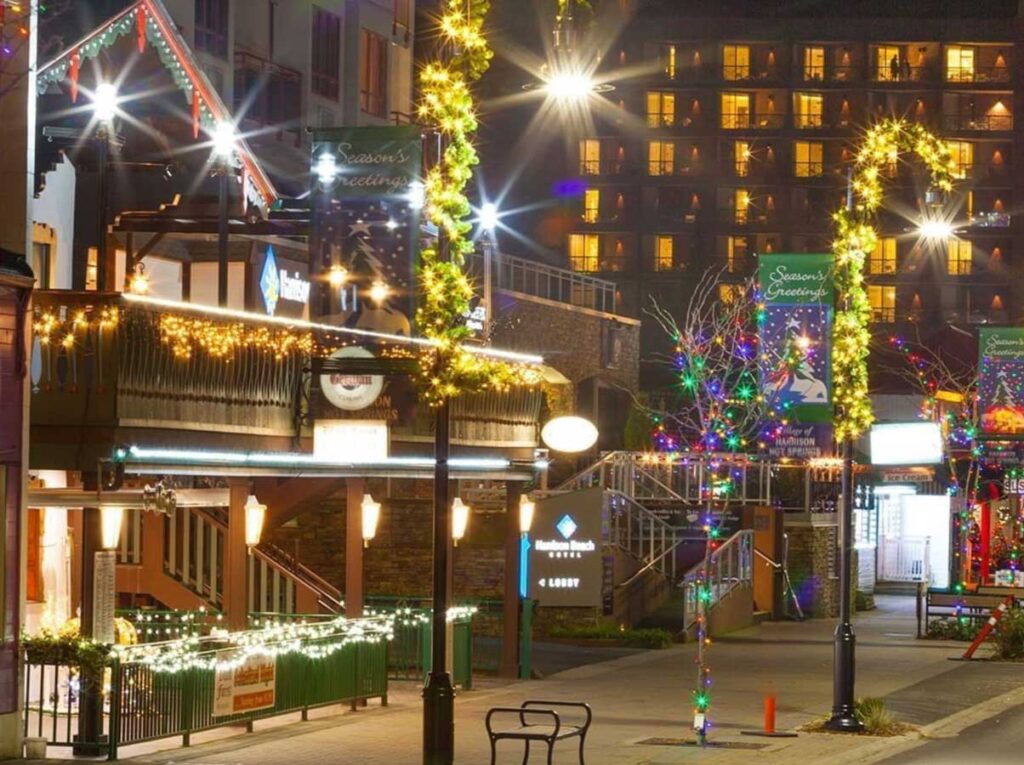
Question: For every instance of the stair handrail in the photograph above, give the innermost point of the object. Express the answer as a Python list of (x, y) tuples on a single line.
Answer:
[(661, 528), (572, 482), (738, 553), (289, 566)]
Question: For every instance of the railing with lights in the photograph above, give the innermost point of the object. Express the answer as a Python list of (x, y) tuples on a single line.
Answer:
[(729, 567)]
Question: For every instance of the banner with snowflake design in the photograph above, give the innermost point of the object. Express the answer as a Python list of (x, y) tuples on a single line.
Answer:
[(1001, 382), (795, 333)]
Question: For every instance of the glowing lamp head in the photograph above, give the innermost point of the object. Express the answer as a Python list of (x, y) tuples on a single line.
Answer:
[(569, 85), (255, 513), (488, 216), (526, 510), (379, 292), (417, 195), (104, 101), (460, 519), (569, 434), (326, 168), (337, 276), (111, 520), (139, 282), (224, 140), (935, 229), (371, 516)]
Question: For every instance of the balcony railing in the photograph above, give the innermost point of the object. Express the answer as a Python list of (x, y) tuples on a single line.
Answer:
[(746, 121), (828, 74), (898, 74), (977, 75), (267, 93), (990, 220), (986, 122), (560, 285)]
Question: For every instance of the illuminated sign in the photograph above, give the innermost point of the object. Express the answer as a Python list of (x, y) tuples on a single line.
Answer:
[(277, 285), (565, 565), (351, 440), (906, 443), (348, 391)]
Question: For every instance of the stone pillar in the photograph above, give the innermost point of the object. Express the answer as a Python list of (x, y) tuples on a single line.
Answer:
[(354, 490)]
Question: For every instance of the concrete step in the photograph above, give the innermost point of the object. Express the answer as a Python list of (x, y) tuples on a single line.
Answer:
[(762, 616), (896, 588)]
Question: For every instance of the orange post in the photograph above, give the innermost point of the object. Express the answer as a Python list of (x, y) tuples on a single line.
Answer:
[(769, 714)]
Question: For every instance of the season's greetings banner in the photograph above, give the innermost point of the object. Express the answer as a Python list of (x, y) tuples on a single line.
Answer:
[(1001, 382), (366, 219), (796, 322)]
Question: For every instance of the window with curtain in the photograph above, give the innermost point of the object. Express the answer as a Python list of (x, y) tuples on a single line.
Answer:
[(740, 205), (883, 258), (807, 110), (326, 54), (814, 62), (735, 112), (735, 253), (741, 158), (590, 156), (661, 108), (959, 64), (735, 62), (584, 250), (212, 27), (373, 74), (664, 253), (884, 69), (591, 205), (962, 153), (882, 298), (807, 159), (730, 293), (661, 156), (958, 257), (670, 61)]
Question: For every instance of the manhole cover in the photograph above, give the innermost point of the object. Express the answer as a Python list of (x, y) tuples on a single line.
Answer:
[(691, 742)]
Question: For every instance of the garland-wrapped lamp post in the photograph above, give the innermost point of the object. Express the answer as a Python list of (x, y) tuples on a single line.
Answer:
[(856, 236)]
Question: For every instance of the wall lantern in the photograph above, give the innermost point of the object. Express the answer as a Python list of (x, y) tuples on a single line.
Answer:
[(526, 508), (569, 434), (254, 516), (460, 519), (371, 515), (111, 520)]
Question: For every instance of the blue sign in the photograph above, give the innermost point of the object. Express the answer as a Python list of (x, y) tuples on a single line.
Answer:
[(270, 282), (566, 526)]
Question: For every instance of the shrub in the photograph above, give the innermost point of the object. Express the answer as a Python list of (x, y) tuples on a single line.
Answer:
[(648, 638), (877, 720), (1008, 636), (954, 629)]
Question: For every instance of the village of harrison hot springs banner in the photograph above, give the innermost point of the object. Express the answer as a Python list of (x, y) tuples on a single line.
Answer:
[(1001, 382), (366, 209), (796, 291)]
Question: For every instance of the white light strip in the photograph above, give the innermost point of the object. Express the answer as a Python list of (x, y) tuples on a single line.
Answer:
[(143, 454), (231, 313)]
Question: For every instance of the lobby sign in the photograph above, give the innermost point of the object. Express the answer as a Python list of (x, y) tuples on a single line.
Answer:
[(243, 684), (566, 567), (365, 217), (1001, 382), (796, 290), (350, 440)]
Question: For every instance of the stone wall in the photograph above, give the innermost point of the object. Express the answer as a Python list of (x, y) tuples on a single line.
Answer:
[(814, 568)]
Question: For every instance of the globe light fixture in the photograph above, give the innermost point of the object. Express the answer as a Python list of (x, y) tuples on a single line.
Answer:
[(488, 216), (224, 139), (104, 101), (255, 513), (139, 282), (460, 519), (337, 276), (326, 168), (569, 85), (935, 229), (527, 507), (371, 516), (379, 291), (569, 434), (111, 520), (417, 195)]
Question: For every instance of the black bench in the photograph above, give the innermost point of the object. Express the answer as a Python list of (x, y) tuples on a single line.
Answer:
[(970, 605), (538, 722)]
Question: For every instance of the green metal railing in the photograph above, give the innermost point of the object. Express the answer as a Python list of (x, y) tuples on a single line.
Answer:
[(145, 703), (155, 626)]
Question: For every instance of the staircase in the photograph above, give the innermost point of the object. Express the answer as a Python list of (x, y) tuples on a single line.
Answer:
[(190, 545), (642, 497)]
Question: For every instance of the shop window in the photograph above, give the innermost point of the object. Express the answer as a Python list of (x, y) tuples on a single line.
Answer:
[(807, 159), (958, 257), (882, 298), (661, 158), (583, 252)]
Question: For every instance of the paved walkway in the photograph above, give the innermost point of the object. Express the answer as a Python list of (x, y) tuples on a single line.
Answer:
[(646, 696)]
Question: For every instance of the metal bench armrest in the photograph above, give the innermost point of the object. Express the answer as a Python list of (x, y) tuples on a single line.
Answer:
[(522, 713), (568, 704)]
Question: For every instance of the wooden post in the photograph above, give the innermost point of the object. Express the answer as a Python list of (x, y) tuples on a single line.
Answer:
[(236, 559), (354, 489), (985, 532), (510, 620)]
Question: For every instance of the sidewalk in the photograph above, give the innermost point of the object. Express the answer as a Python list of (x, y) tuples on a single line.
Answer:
[(647, 695)]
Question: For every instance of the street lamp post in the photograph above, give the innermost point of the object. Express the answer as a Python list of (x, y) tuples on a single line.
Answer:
[(104, 107), (223, 152)]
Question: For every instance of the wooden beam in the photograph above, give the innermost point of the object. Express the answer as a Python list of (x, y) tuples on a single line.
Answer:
[(144, 250)]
